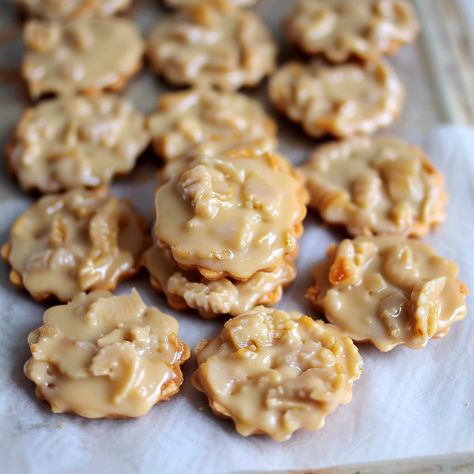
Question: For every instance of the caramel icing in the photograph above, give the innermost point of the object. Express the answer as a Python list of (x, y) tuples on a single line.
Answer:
[(274, 372), (212, 44), (76, 141), (389, 290), (73, 242), (341, 100), (375, 185), (340, 29), (67, 9), (86, 55), (106, 356), (186, 119), (218, 297), (231, 215)]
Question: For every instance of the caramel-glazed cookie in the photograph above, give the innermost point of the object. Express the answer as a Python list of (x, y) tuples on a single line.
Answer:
[(106, 356), (341, 100), (274, 372), (67, 9), (375, 185), (389, 290), (212, 44), (214, 298), (341, 29), (186, 119), (85, 55), (76, 141), (73, 242), (231, 215)]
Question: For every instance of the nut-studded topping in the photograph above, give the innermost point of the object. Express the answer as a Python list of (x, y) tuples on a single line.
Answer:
[(184, 120), (341, 29), (79, 141), (212, 44), (86, 55), (77, 241), (274, 372), (105, 356), (186, 3), (400, 293), (375, 185), (68, 9), (232, 214), (341, 100), (218, 297)]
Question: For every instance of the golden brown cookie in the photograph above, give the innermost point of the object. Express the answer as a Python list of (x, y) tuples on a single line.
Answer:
[(341, 100), (68, 9), (106, 356), (212, 44), (231, 215), (194, 117), (388, 290), (76, 141), (87, 55), (74, 242), (274, 372), (212, 299), (342, 29), (375, 185)]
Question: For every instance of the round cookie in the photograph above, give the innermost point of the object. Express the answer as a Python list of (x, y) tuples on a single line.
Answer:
[(186, 119), (74, 242), (214, 45), (212, 299), (76, 141), (106, 356), (341, 100), (86, 55), (388, 290), (375, 185), (343, 29), (67, 9), (274, 372), (231, 215)]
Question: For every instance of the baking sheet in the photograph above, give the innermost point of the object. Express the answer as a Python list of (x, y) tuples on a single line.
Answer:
[(407, 403)]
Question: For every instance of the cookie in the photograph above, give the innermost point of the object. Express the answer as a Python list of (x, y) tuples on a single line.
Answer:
[(214, 45), (74, 242), (106, 356), (86, 55), (66, 10), (341, 100), (212, 299), (231, 215), (274, 372), (389, 290), (186, 119), (76, 141), (375, 185), (343, 29)]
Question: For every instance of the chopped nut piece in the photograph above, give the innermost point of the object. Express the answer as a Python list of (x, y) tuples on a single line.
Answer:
[(106, 356), (342, 100), (274, 372), (403, 294), (77, 241), (376, 185), (340, 29)]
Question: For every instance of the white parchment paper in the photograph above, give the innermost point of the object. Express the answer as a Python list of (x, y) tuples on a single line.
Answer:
[(407, 403)]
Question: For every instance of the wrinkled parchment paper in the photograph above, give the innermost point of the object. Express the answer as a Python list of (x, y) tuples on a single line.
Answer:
[(407, 403)]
